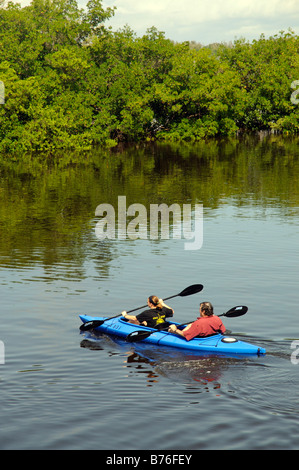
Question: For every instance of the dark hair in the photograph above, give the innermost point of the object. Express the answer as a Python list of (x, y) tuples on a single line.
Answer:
[(155, 301), (207, 308)]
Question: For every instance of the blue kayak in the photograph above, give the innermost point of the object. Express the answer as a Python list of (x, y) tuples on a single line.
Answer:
[(217, 343)]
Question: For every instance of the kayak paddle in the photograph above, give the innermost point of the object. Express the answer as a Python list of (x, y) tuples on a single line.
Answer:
[(136, 336), (193, 289)]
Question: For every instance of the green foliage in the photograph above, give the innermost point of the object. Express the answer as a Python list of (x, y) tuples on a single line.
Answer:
[(70, 82), (266, 69)]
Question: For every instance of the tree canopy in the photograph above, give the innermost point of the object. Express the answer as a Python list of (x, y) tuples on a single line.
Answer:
[(71, 82)]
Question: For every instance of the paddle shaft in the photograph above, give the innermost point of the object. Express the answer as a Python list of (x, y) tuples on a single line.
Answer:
[(193, 289), (188, 323), (140, 335), (143, 306)]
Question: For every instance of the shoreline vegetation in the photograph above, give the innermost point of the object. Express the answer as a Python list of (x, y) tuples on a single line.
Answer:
[(71, 83)]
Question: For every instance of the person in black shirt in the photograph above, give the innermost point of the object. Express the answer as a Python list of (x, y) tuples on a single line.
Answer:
[(154, 317)]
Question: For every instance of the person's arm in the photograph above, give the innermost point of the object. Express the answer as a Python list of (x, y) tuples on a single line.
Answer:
[(166, 306), (128, 317), (174, 329)]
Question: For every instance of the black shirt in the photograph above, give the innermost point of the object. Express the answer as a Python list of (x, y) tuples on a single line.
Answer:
[(154, 316)]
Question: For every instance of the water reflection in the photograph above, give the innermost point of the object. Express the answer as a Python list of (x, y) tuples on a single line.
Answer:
[(197, 373), (141, 365), (47, 210)]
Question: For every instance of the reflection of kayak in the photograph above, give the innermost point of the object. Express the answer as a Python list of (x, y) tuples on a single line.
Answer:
[(217, 343)]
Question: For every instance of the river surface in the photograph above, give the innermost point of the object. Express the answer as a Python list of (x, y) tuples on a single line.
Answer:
[(61, 389)]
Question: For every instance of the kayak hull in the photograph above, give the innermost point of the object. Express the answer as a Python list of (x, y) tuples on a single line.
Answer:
[(217, 343)]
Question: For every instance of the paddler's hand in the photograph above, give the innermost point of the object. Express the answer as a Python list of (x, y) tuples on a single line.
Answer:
[(172, 329), (124, 313)]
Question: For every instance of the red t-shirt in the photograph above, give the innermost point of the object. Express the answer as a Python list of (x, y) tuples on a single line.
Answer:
[(204, 326)]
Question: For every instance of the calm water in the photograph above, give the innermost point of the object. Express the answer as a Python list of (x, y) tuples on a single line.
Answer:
[(64, 390)]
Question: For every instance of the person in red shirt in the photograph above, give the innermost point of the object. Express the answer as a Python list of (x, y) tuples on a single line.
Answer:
[(205, 325)]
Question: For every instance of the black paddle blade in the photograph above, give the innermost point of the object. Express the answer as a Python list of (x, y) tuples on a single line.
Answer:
[(191, 290), (136, 336), (90, 325), (236, 311)]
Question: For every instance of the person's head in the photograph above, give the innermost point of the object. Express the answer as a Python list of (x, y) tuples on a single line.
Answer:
[(206, 309), (154, 302)]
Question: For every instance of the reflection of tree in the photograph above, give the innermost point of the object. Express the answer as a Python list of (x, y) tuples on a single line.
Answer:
[(47, 210)]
